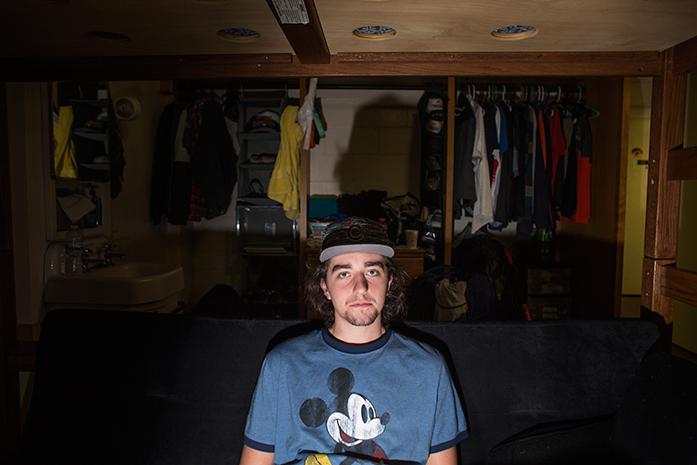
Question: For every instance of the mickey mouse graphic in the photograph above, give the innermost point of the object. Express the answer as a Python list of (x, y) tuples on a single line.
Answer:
[(352, 421)]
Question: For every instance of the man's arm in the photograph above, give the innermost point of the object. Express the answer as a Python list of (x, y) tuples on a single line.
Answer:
[(256, 457), (444, 457)]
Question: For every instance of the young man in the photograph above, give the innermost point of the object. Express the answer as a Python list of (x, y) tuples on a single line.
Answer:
[(355, 391)]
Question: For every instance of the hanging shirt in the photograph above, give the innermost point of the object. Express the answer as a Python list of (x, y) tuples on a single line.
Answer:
[(557, 146), (584, 145), (504, 190), (284, 182), (464, 191), (496, 155), (542, 209), (482, 211), (64, 164)]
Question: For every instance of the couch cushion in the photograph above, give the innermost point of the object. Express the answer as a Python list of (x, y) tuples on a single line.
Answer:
[(570, 442)]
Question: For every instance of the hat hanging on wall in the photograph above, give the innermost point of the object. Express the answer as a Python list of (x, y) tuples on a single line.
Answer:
[(126, 108)]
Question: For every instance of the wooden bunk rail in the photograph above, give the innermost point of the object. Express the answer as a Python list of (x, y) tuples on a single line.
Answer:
[(663, 196), (304, 194), (652, 296), (682, 164), (225, 66), (685, 56), (678, 284)]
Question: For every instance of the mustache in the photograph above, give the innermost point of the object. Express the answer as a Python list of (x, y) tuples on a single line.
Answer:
[(361, 300)]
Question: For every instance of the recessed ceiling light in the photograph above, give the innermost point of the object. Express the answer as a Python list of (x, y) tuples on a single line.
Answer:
[(240, 35), (109, 36), (514, 32), (375, 32)]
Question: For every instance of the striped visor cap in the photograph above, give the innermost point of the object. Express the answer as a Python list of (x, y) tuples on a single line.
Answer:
[(355, 234)]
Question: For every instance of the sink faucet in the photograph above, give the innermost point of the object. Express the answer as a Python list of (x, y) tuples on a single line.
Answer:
[(101, 259), (108, 253)]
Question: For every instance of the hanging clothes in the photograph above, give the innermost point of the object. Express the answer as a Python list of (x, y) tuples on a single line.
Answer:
[(194, 164), (171, 180), (503, 212), (214, 161), (482, 213), (525, 225), (557, 147), (532, 161), (542, 206), (284, 182), (64, 165), (583, 140), (464, 191)]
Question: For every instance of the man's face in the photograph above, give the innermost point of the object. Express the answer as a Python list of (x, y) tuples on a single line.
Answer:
[(357, 284)]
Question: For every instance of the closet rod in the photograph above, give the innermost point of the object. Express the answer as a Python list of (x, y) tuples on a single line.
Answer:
[(321, 86), (525, 92)]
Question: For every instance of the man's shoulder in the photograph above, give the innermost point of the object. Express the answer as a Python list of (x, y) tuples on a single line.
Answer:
[(295, 342), (417, 347)]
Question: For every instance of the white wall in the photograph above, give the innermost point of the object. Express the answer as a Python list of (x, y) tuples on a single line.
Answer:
[(372, 143), (636, 182)]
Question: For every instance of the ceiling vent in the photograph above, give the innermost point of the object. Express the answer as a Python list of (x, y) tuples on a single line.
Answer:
[(241, 35), (375, 32), (514, 32)]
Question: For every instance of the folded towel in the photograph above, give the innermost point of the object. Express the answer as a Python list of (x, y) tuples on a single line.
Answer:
[(75, 206)]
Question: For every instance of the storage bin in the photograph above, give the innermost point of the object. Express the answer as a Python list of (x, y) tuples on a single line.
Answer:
[(265, 226)]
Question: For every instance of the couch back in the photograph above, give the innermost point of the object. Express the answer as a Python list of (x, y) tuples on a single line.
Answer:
[(138, 388)]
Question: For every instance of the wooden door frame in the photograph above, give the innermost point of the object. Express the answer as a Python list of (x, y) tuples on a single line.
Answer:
[(9, 375)]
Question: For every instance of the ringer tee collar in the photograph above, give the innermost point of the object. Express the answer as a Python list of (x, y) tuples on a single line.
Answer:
[(355, 348)]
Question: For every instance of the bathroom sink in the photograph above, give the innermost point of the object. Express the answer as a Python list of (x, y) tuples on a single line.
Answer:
[(128, 284)]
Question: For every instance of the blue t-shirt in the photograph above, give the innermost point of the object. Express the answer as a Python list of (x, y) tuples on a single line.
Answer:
[(320, 401)]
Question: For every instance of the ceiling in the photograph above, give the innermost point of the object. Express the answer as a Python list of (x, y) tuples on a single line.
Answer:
[(58, 28)]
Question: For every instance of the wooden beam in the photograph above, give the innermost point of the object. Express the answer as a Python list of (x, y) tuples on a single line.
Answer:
[(679, 284), (307, 40), (304, 195), (541, 64), (9, 377), (682, 164), (685, 56), (449, 176), (622, 196), (23, 356), (663, 195), (651, 295), (548, 63)]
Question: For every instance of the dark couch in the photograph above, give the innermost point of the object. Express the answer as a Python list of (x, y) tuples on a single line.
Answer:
[(138, 388)]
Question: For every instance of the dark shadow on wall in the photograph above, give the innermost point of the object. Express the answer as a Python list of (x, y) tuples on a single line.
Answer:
[(593, 267), (383, 151)]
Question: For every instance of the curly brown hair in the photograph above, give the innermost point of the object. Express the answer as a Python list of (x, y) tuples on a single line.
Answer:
[(395, 299)]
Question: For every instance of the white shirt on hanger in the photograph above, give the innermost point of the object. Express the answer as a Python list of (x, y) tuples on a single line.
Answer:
[(483, 212)]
